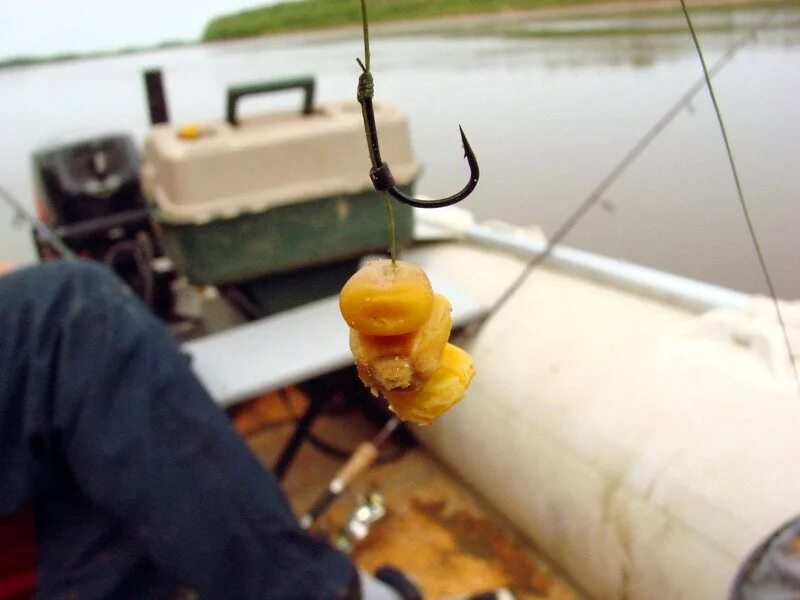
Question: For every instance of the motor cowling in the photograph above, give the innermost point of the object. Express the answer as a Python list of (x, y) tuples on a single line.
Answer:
[(88, 191)]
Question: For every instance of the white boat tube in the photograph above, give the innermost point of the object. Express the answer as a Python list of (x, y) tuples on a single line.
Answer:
[(644, 446), (455, 223), (693, 294)]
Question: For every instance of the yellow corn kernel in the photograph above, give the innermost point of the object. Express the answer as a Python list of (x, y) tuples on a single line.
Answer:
[(431, 339), (446, 388), (382, 361), (385, 299), (403, 361)]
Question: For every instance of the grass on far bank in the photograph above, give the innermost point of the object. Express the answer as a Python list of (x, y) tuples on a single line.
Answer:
[(302, 15), (317, 14)]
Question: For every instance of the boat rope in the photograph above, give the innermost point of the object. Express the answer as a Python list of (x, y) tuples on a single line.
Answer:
[(745, 211), (620, 167)]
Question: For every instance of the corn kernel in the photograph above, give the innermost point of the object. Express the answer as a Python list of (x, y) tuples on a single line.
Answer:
[(403, 361), (446, 388), (383, 361), (385, 299)]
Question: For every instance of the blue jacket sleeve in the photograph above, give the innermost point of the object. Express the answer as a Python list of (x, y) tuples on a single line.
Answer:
[(96, 398)]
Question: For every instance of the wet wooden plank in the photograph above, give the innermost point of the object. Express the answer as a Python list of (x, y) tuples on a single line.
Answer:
[(436, 529)]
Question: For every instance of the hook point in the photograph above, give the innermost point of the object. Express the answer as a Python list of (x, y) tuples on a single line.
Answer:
[(464, 142)]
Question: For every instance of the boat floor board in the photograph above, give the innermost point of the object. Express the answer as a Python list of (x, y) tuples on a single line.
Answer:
[(294, 346), (436, 529)]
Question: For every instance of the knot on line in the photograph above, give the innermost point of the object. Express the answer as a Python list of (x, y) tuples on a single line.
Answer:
[(381, 177), (366, 86)]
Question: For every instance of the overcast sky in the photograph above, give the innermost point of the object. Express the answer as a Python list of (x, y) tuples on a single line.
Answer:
[(30, 27)]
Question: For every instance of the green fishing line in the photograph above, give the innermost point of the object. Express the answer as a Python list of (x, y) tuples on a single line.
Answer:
[(386, 201), (390, 221)]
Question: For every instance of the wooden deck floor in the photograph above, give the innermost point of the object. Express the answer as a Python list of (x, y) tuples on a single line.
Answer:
[(436, 529)]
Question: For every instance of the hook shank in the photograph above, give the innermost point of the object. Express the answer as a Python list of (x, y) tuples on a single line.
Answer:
[(381, 175)]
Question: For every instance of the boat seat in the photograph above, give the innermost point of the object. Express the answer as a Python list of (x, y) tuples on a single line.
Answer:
[(293, 346)]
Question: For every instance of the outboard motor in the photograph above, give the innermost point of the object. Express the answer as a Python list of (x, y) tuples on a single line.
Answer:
[(88, 192), (90, 179)]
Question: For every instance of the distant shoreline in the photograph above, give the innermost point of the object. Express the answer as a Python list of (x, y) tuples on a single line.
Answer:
[(341, 15), (28, 61), (568, 10)]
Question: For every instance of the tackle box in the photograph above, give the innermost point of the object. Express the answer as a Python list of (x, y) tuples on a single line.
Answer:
[(247, 197)]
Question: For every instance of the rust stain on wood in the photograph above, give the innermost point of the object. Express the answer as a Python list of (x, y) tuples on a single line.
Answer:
[(452, 549), (485, 540), (436, 531)]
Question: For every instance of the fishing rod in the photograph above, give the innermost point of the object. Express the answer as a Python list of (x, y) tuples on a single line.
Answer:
[(46, 235), (359, 461), (52, 239)]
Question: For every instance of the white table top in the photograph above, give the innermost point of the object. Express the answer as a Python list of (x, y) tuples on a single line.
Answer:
[(293, 346)]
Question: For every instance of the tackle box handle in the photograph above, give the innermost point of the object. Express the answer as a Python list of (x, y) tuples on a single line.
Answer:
[(235, 93)]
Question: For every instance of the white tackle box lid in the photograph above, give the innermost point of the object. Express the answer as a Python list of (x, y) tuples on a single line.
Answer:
[(200, 173)]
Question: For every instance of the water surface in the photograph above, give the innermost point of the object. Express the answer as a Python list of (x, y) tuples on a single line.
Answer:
[(548, 117)]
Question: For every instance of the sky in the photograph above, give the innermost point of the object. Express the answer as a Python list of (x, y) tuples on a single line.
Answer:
[(44, 27)]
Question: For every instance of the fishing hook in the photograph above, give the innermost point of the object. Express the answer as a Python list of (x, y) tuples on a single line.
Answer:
[(381, 176)]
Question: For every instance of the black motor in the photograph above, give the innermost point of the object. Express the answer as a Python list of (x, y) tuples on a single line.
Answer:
[(90, 179), (88, 192)]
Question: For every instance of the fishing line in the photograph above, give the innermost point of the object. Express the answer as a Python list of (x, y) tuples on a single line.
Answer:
[(745, 211), (638, 148), (390, 221), (386, 202)]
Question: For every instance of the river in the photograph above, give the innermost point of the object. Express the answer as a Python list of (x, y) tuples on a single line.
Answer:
[(547, 115)]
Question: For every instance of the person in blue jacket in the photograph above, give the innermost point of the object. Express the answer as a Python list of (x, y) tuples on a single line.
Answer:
[(140, 485)]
